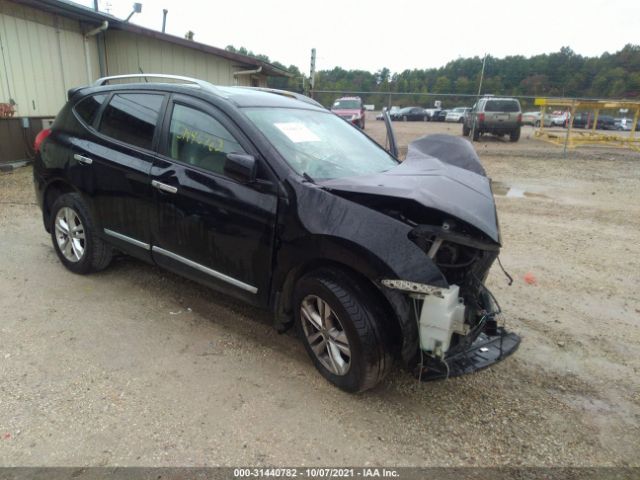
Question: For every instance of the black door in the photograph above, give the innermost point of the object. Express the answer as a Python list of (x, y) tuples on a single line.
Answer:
[(207, 226), (119, 156)]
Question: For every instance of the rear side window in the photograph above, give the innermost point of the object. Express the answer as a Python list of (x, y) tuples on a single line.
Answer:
[(502, 106), (88, 107), (132, 118)]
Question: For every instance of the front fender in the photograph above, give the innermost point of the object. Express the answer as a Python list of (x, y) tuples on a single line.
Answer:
[(324, 229), (371, 243)]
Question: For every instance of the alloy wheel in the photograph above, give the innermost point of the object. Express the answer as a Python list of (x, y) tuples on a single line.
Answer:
[(325, 334), (70, 234)]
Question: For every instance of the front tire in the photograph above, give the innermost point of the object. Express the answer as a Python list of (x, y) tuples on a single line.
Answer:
[(341, 330), (75, 238)]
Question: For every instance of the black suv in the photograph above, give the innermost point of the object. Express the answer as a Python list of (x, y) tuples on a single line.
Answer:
[(269, 197)]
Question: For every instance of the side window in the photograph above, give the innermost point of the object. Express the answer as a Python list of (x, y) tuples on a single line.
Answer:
[(132, 118), (198, 139), (88, 107)]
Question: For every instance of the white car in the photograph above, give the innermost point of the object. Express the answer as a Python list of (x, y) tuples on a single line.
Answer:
[(559, 119), (623, 124), (533, 119), (394, 109), (456, 115)]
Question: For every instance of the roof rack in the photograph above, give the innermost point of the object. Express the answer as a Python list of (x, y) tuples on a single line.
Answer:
[(200, 83)]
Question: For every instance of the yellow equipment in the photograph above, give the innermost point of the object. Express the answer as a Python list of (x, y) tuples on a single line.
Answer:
[(572, 139)]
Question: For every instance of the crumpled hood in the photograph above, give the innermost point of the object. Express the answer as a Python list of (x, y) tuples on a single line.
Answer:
[(430, 182)]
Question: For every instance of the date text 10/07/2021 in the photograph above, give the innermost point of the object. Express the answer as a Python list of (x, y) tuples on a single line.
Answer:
[(315, 473)]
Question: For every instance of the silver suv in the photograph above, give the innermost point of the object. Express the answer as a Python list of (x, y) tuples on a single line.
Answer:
[(499, 116)]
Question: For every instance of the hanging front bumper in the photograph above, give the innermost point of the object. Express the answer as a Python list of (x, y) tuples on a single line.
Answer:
[(485, 351)]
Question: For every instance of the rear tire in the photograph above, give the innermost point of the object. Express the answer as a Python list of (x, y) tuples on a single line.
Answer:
[(476, 135), (404, 118), (465, 130), (514, 136), (75, 237), (344, 338)]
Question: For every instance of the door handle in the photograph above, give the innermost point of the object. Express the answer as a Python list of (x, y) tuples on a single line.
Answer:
[(164, 187), (82, 159)]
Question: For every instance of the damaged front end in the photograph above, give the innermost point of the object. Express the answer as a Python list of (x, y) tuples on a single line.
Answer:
[(457, 326), (441, 191)]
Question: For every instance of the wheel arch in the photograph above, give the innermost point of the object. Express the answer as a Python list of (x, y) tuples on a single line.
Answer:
[(51, 192), (387, 310), (394, 307)]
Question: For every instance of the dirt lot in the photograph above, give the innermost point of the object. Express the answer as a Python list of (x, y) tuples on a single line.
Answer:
[(135, 366)]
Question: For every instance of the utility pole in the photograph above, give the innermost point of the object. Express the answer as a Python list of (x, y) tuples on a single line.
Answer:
[(312, 71), (484, 61), (473, 125), (164, 19)]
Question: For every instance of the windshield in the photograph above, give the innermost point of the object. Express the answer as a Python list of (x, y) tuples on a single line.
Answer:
[(346, 105), (320, 144)]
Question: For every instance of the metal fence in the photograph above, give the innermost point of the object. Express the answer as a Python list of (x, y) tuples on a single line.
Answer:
[(427, 100)]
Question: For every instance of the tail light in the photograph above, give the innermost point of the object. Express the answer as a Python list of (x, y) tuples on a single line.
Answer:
[(481, 117), (40, 138)]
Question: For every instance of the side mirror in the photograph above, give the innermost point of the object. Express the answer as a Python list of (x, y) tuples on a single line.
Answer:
[(241, 167)]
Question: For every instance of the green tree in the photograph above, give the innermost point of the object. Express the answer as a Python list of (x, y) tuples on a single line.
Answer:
[(561, 73), (442, 85)]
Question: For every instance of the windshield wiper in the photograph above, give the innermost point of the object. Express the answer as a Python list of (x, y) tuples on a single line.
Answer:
[(306, 176)]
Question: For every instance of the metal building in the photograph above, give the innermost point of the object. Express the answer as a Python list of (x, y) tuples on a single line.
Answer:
[(50, 46)]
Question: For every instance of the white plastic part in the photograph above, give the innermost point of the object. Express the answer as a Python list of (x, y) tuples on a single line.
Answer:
[(441, 316)]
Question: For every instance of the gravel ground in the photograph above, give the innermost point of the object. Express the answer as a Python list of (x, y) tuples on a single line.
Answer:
[(135, 366)]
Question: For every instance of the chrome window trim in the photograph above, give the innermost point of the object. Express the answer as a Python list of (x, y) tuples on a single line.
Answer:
[(130, 240), (207, 270)]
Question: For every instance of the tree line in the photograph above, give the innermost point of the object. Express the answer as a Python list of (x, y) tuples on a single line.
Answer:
[(560, 74)]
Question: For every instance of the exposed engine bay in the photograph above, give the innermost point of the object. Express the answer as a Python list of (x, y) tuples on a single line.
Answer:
[(458, 325)]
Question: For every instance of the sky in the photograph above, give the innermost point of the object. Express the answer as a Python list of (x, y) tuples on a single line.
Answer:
[(399, 35)]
